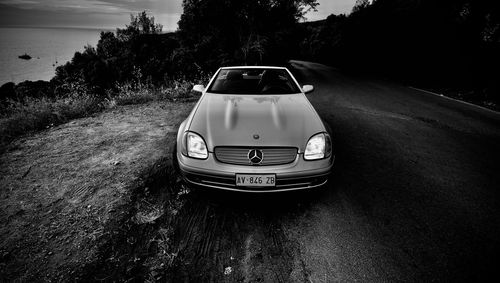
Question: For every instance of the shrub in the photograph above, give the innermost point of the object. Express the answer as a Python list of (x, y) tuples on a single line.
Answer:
[(136, 93), (20, 117)]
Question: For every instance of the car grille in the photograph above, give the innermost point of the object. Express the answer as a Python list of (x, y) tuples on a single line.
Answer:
[(271, 155)]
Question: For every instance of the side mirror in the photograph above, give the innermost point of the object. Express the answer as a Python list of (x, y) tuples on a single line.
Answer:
[(199, 88), (307, 88)]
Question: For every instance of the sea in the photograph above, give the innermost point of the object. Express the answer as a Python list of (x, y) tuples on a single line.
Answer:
[(48, 47)]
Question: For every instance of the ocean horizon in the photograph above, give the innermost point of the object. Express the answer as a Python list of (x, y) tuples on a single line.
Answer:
[(49, 48)]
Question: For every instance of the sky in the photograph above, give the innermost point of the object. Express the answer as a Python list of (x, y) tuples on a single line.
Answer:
[(110, 14)]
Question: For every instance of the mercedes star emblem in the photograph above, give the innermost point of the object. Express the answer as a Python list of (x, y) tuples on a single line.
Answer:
[(255, 156)]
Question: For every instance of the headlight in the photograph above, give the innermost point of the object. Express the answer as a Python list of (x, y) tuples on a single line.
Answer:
[(195, 146), (319, 146)]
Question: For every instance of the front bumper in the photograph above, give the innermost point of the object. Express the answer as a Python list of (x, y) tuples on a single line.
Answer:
[(297, 175)]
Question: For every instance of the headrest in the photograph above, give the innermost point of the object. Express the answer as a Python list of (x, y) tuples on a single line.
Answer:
[(234, 76)]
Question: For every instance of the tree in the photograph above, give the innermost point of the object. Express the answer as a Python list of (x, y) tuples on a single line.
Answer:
[(139, 46), (451, 44), (254, 46), (222, 32), (140, 24), (360, 5)]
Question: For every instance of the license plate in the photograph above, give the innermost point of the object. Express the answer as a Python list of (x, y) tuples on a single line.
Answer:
[(256, 180)]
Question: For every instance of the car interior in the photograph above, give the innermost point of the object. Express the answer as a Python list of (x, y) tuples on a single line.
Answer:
[(254, 81)]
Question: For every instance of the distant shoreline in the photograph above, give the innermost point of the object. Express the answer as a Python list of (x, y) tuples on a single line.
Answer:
[(72, 27)]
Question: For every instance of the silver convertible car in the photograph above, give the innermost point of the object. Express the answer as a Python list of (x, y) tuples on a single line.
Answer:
[(253, 130)]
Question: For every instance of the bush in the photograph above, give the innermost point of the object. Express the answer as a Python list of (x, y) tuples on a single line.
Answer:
[(20, 117), (136, 93)]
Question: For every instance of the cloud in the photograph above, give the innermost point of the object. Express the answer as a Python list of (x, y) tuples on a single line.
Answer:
[(98, 6), (159, 6), (87, 13)]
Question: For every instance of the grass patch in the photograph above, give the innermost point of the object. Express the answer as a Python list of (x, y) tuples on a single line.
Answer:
[(136, 93), (18, 117)]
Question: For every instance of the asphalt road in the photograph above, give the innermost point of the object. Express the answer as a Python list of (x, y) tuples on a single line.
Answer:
[(414, 197)]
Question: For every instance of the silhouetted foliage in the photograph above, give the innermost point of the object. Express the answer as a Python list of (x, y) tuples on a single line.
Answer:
[(360, 5), (221, 32), (18, 92), (441, 44), (138, 49), (7, 91), (211, 33)]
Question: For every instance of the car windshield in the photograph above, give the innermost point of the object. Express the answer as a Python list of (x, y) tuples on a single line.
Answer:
[(253, 81)]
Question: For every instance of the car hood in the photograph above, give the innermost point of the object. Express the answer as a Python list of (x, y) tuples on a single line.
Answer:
[(235, 120)]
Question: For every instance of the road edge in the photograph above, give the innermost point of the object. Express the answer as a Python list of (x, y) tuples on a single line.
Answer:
[(453, 99)]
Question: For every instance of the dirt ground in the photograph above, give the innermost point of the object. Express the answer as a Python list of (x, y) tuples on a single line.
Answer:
[(67, 191)]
